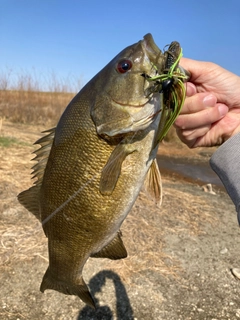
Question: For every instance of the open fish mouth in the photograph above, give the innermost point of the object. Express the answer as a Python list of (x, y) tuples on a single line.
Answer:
[(157, 58), (168, 81), (165, 65)]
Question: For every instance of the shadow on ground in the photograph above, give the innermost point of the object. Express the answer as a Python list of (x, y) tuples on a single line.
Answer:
[(123, 305)]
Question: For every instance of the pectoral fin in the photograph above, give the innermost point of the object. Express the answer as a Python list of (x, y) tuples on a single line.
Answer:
[(112, 170), (114, 250), (153, 183)]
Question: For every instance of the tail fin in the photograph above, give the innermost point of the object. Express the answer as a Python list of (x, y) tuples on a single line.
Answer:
[(80, 290)]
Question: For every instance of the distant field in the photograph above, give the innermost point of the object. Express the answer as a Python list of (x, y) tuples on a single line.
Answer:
[(35, 99), (33, 107)]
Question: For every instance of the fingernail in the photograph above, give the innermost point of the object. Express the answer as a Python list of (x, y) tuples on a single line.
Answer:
[(223, 110), (210, 100)]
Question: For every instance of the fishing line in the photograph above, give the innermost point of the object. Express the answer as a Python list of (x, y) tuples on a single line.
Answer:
[(68, 200), (80, 189)]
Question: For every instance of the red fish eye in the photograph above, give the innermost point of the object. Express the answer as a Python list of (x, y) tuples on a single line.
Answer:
[(124, 65)]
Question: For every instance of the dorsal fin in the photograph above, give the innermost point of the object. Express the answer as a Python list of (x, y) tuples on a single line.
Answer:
[(30, 198), (42, 155)]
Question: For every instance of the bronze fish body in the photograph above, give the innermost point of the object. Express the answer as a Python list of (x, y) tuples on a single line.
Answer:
[(90, 169)]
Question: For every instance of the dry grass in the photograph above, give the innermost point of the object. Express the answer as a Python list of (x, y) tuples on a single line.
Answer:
[(33, 107), (26, 98), (22, 243), (21, 236)]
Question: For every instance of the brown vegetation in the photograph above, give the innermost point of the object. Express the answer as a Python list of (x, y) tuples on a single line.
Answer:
[(26, 99), (33, 107)]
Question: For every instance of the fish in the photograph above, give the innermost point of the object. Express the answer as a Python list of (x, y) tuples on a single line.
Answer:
[(91, 167)]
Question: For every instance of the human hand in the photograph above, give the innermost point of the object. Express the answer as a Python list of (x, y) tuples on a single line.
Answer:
[(211, 112)]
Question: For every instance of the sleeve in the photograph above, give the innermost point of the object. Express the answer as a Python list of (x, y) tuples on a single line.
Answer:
[(226, 163)]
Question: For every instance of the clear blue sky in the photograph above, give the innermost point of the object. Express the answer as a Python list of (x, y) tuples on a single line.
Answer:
[(77, 38)]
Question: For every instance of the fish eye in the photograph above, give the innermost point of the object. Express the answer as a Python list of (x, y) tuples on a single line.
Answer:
[(124, 65)]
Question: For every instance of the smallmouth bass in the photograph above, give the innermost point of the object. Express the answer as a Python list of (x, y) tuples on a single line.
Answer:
[(91, 167)]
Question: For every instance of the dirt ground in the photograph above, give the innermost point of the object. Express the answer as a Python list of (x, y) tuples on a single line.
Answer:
[(180, 256)]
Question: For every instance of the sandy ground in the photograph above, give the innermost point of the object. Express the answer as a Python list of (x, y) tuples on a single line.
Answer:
[(180, 255)]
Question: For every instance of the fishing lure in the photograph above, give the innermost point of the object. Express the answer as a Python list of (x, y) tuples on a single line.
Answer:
[(171, 88)]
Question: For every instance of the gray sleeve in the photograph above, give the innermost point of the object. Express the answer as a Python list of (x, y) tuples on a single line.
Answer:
[(226, 163)]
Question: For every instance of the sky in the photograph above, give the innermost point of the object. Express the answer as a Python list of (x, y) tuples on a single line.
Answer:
[(74, 39)]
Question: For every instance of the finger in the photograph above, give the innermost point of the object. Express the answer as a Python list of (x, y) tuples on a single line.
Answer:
[(193, 134), (190, 89), (196, 138), (190, 143), (202, 118), (198, 102)]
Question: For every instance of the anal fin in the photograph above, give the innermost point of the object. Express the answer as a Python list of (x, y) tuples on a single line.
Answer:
[(153, 183), (80, 290), (114, 250)]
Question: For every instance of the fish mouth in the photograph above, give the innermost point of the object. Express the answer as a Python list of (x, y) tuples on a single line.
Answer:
[(157, 59), (157, 56)]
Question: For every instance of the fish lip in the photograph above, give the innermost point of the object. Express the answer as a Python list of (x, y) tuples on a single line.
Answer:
[(150, 45), (155, 55), (129, 104)]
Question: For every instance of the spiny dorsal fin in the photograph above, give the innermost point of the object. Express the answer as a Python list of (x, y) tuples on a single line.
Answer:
[(42, 155), (112, 170), (30, 198), (80, 289), (153, 183), (114, 250)]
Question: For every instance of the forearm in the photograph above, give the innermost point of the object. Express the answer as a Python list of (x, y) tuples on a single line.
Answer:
[(226, 163)]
